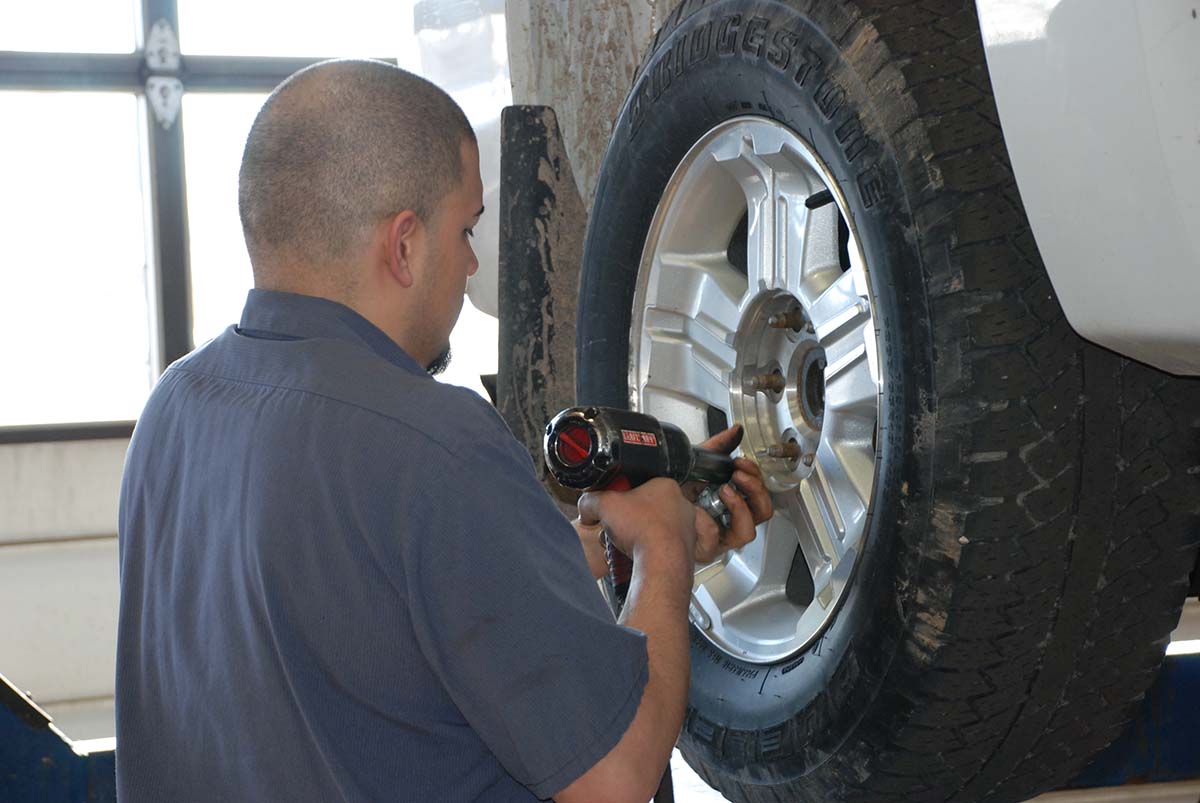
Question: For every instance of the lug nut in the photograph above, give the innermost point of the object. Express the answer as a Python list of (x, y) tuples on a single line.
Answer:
[(792, 319), (808, 459), (773, 382), (784, 451)]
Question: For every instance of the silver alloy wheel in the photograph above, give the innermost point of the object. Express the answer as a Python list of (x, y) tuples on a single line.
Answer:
[(788, 349)]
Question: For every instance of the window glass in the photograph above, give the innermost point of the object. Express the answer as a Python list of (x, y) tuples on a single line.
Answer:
[(66, 26), (214, 133), (74, 315), (458, 44), (286, 28)]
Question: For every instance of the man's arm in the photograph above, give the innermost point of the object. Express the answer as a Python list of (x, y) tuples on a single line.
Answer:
[(661, 544), (657, 606)]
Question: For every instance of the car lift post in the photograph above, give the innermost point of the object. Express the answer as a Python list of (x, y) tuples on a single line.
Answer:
[(542, 223)]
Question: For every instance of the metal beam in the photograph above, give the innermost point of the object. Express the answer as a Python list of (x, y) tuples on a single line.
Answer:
[(71, 71), (168, 251), (125, 72), (241, 73), (43, 433), (169, 255)]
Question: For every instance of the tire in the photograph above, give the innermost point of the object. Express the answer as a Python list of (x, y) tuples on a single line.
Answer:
[(1033, 516)]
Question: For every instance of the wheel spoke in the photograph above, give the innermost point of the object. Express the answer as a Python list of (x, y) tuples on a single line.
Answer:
[(852, 384), (838, 306), (688, 326), (777, 242), (854, 458), (775, 187), (687, 362), (702, 287), (757, 612), (757, 182), (769, 555), (766, 255), (760, 565), (821, 254), (723, 588), (848, 502), (706, 573), (813, 514), (815, 543)]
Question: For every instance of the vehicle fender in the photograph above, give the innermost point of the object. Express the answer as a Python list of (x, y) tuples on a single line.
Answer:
[(1099, 102)]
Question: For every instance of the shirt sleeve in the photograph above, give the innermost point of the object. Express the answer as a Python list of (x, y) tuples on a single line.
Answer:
[(508, 614)]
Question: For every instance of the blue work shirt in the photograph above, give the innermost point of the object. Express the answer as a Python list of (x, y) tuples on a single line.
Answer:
[(341, 580)]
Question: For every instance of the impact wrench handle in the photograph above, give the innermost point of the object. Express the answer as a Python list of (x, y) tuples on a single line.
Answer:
[(620, 566)]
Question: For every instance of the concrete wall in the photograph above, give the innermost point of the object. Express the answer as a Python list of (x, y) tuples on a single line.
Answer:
[(579, 57)]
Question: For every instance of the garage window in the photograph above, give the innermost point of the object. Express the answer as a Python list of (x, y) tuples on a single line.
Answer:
[(74, 306), (118, 163)]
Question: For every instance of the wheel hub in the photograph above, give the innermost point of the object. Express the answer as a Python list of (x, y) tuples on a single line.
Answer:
[(753, 306), (781, 405)]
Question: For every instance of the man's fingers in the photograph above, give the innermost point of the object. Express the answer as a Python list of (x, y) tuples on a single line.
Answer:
[(741, 530), (589, 507), (590, 530), (725, 441), (748, 466), (757, 495), (708, 538)]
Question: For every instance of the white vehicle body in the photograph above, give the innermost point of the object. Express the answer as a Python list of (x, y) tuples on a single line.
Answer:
[(462, 46), (1099, 102)]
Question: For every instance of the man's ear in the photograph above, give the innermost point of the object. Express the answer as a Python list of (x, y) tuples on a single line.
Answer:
[(405, 233)]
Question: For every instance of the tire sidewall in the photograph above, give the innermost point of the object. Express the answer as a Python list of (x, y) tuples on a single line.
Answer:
[(768, 60)]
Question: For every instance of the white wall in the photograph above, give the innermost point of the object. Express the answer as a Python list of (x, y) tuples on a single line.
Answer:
[(58, 577)]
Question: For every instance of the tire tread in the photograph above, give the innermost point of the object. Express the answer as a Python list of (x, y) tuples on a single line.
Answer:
[(1050, 624)]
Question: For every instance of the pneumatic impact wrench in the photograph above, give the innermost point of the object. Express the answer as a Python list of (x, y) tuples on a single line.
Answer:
[(602, 448)]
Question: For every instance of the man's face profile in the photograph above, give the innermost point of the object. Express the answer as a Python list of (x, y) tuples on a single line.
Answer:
[(450, 257)]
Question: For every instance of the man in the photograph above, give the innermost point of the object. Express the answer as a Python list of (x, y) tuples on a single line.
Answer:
[(340, 579)]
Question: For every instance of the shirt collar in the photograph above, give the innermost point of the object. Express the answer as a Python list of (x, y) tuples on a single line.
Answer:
[(275, 314)]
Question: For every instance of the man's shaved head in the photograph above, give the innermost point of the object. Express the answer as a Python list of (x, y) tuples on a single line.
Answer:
[(336, 149)]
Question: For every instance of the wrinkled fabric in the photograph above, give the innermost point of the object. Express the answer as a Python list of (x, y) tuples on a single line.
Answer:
[(341, 580)]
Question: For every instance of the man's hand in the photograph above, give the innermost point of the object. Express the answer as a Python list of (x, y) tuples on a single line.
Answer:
[(654, 516), (747, 498), (657, 526), (593, 547), (748, 508)]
